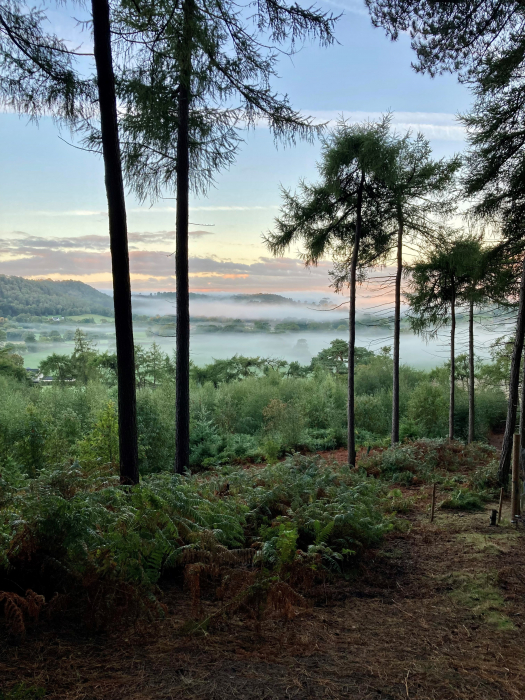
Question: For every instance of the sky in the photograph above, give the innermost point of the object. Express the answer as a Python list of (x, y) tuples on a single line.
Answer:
[(53, 220)]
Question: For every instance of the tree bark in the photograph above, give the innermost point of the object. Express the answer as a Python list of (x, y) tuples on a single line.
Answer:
[(471, 379), (512, 405), (182, 363), (452, 364), (351, 323), (522, 425), (118, 236), (397, 333)]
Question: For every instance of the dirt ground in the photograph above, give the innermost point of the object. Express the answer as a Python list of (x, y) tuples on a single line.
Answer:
[(438, 612)]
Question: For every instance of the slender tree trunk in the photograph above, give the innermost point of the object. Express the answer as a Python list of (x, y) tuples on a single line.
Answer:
[(471, 379), (182, 363), (512, 405), (452, 365), (118, 236), (522, 425), (351, 323), (397, 333)]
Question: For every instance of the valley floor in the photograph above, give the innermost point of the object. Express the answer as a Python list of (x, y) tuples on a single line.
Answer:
[(436, 613)]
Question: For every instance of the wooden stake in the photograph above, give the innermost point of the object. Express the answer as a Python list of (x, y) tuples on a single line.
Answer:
[(500, 504), (514, 494), (433, 506)]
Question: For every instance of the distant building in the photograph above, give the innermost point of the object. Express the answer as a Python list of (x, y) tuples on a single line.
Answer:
[(36, 375)]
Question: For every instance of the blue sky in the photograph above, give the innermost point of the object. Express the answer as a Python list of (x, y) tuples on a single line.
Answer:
[(52, 199)]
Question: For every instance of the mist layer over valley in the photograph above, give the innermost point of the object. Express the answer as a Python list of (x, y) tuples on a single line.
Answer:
[(264, 325)]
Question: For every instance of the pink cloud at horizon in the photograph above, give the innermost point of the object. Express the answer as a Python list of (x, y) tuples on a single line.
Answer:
[(87, 259)]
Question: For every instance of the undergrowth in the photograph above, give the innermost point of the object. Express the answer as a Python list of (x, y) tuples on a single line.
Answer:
[(88, 544), (426, 461), (464, 499)]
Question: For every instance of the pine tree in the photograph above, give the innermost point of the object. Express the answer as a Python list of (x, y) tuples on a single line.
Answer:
[(490, 279), (436, 284), (37, 70), (420, 188), (345, 214), (484, 43), (192, 62), (118, 235)]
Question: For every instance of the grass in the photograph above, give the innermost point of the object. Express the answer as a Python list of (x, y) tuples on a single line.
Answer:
[(478, 593), (500, 542)]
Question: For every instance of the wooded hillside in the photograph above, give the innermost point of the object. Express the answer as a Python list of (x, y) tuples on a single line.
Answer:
[(51, 298)]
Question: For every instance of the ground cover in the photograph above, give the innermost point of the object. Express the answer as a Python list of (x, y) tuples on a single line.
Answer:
[(436, 611)]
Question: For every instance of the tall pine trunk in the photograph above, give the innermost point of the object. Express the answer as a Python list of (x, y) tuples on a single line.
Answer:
[(452, 365), (471, 379), (351, 323), (182, 362), (118, 236), (522, 425), (512, 405), (397, 333)]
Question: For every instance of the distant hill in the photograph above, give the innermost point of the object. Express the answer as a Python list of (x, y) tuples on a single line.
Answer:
[(50, 298), (259, 298), (262, 298), (173, 295)]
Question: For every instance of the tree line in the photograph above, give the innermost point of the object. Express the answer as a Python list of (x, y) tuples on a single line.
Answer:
[(178, 67)]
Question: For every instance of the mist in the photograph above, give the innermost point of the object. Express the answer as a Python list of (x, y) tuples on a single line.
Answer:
[(227, 307), (374, 331)]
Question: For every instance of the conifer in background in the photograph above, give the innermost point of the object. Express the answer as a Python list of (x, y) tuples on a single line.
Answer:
[(201, 74), (436, 283), (421, 189), (346, 215), (483, 43)]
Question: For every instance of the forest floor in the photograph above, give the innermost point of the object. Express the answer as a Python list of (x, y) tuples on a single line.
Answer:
[(437, 612)]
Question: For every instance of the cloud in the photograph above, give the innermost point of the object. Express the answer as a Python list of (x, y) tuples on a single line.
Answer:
[(438, 126), (72, 212), (88, 258), (200, 234), (355, 7), (225, 207), (149, 210), (21, 244)]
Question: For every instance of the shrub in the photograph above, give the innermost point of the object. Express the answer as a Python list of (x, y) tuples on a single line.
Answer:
[(427, 460), (428, 407), (463, 499), (372, 413)]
